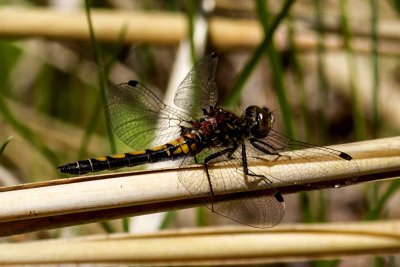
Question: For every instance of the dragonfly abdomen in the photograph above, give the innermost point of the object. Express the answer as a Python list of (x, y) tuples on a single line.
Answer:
[(173, 150)]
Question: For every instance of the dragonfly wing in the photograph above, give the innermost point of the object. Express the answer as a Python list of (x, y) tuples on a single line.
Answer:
[(140, 119), (322, 162), (198, 90), (259, 210)]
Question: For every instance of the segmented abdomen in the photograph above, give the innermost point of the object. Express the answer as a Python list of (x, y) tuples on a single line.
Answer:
[(175, 149)]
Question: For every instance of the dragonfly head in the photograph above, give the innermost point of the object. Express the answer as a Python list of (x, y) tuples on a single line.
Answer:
[(258, 120)]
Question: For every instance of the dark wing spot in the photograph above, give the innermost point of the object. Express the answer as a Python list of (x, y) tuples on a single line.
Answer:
[(345, 156), (278, 197), (133, 83)]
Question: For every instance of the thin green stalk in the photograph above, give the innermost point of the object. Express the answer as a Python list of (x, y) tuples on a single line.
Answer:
[(103, 88), (94, 116), (191, 14), (298, 76), (321, 206), (276, 68), (102, 77), (322, 82), (107, 227), (125, 224), (374, 63), (201, 216), (168, 219), (234, 96), (5, 143), (381, 201), (360, 127), (388, 261), (26, 132), (325, 263), (306, 211)]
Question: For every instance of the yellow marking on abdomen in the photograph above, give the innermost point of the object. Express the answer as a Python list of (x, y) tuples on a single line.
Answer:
[(182, 149), (139, 152), (101, 158), (118, 156), (158, 148), (177, 141)]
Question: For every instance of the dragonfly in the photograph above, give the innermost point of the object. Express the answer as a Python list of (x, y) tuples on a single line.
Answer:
[(229, 147)]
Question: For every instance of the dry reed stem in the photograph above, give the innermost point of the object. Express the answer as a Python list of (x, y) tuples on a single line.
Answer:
[(65, 202), (162, 28), (214, 246)]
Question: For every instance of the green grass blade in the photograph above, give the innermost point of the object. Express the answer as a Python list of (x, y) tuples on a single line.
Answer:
[(168, 219), (321, 206), (234, 96), (102, 77), (381, 201), (298, 77), (201, 216), (360, 127), (374, 61), (322, 81), (125, 224), (27, 134), (103, 88), (276, 68), (107, 227), (306, 211), (191, 15), (325, 263), (5, 143), (93, 121)]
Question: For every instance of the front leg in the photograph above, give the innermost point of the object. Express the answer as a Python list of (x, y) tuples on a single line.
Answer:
[(227, 151), (266, 148), (247, 171), (262, 178)]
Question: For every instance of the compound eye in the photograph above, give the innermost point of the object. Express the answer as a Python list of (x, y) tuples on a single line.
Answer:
[(263, 124), (261, 120)]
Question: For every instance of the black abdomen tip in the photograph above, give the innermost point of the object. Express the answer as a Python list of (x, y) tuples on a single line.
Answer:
[(71, 168), (74, 168)]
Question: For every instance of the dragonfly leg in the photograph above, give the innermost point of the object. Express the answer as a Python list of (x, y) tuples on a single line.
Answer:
[(229, 151), (248, 173), (262, 178), (266, 148)]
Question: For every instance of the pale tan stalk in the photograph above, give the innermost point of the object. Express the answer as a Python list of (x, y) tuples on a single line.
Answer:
[(166, 28), (86, 199), (214, 246)]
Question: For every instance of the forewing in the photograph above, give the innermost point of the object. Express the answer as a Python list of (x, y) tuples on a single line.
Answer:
[(304, 162), (198, 90), (140, 119), (256, 209)]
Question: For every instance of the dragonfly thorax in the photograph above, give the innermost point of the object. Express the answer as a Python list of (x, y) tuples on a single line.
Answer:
[(258, 120)]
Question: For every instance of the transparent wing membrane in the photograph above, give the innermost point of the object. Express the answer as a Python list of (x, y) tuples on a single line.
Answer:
[(140, 119), (303, 162), (198, 90), (227, 175)]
